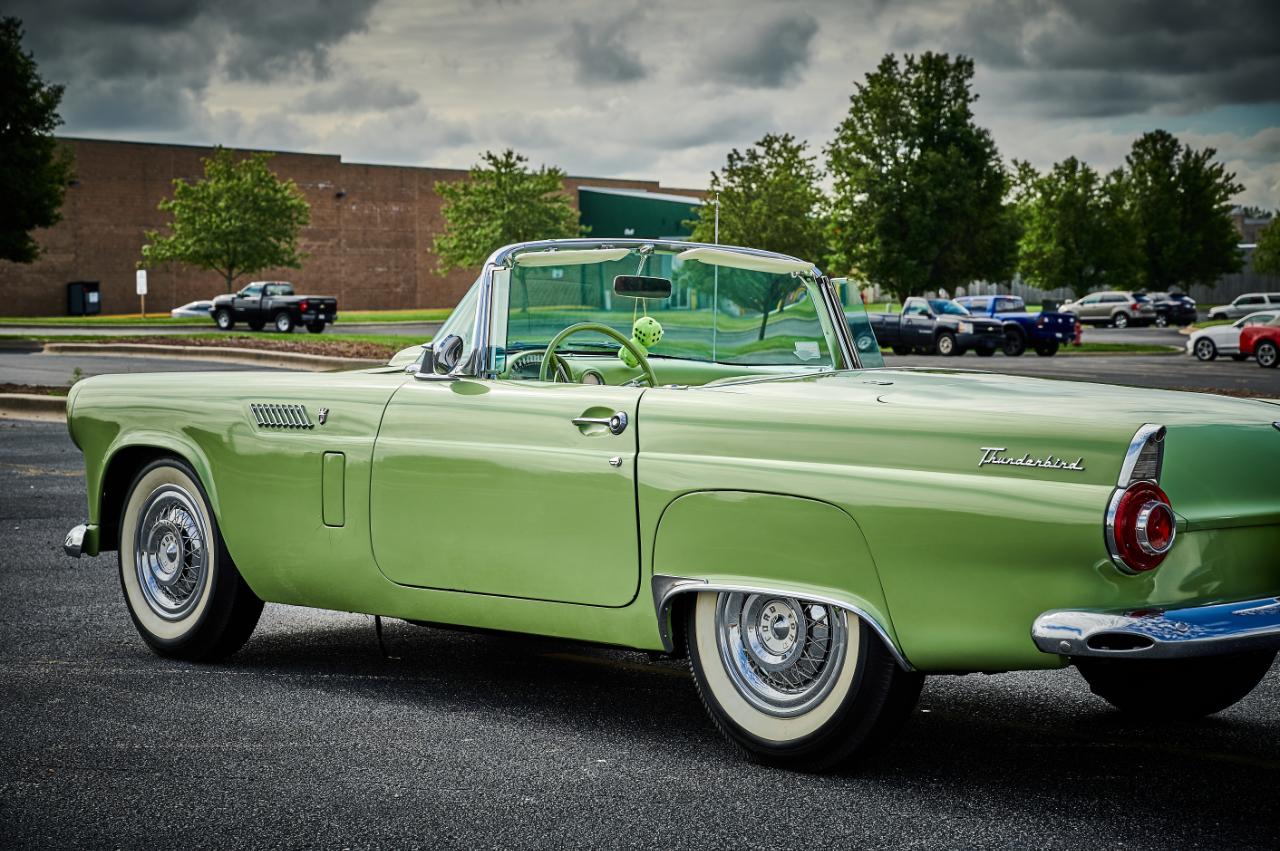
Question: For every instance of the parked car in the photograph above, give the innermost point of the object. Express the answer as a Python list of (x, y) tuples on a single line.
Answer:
[(274, 302), (1263, 343), (1173, 309), (1044, 331), (192, 310), (1244, 305), (696, 477), (1207, 343), (936, 326), (1120, 309)]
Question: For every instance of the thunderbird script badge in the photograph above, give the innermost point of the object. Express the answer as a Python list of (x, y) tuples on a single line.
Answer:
[(995, 455)]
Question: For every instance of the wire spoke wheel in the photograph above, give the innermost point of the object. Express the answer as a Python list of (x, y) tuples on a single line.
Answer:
[(171, 552), (782, 654)]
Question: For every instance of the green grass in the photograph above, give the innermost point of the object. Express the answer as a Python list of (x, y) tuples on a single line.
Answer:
[(1209, 323), (435, 314), (1118, 348)]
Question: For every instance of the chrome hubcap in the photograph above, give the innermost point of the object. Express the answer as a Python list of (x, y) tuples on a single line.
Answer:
[(170, 552), (781, 654)]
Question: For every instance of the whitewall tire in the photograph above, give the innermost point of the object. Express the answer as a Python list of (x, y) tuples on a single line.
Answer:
[(795, 683), (184, 594)]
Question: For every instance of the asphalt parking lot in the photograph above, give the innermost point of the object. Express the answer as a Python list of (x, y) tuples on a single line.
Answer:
[(310, 738)]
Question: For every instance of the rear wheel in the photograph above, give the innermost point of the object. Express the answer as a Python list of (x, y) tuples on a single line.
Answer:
[(184, 593), (315, 327), (283, 322), (224, 319), (946, 345), (1015, 342), (1156, 689), (1267, 354), (1047, 348), (795, 683), (1205, 349)]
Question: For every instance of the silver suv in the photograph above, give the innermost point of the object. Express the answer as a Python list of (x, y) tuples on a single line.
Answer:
[(1121, 309), (1246, 304)]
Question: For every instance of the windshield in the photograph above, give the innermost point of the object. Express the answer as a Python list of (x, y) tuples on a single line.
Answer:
[(942, 305), (715, 313)]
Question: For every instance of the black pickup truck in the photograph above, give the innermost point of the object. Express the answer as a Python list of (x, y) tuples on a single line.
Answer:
[(263, 302), (936, 326)]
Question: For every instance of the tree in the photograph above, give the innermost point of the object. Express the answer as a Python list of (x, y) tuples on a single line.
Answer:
[(239, 219), (1180, 199), (1076, 231), (918, 187), (34, 171), (1266, 256), (769, 198), (502, 202)]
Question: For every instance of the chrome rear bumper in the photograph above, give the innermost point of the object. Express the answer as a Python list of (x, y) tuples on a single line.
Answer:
[(1161, 633), (74, 543)]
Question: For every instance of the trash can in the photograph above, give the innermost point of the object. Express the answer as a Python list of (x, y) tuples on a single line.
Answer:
[(83, 298), (1050, 304)]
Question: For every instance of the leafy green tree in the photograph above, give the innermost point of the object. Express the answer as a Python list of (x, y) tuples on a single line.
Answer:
[(1076, 231), (919, 188), (769, 198), (502, 202), (237, 220), (34, 171), (1266, 256), (1180, 200)]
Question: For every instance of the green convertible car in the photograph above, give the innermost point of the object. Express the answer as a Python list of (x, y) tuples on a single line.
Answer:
[(697, 450)]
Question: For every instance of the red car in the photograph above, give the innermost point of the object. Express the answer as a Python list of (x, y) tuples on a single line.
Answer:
[(1263, 342)]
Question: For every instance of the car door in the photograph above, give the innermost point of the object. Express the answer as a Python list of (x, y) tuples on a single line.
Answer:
[(1088, 307), (1247, 304), (248, 303), (917, 323), (505, 488)]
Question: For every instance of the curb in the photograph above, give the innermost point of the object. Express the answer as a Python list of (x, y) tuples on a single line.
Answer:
[(33, 406), (225, 354)]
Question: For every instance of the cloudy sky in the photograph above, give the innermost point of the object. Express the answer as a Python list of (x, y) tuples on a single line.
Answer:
[(660, 89)]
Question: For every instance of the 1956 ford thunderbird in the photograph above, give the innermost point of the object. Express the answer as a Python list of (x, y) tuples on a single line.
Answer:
[(687, 448)]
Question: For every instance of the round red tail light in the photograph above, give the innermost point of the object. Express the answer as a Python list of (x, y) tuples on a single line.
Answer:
[(1140, 527)]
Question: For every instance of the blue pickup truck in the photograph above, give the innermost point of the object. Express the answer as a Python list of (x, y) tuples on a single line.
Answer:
[(1043, 332)]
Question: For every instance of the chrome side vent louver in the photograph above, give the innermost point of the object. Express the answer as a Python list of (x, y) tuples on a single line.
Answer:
[(271, 415)]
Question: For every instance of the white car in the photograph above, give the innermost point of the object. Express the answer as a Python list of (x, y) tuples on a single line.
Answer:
[(1208, 343), (1245, 305), (192, 310)]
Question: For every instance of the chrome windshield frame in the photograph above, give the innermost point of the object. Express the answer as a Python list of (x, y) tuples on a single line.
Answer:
[(479, 363)]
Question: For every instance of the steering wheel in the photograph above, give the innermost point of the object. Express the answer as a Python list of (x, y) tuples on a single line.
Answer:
[(562, 369), (635, 350)]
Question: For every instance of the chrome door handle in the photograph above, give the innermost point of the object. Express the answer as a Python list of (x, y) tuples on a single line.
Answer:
[(616, 424)]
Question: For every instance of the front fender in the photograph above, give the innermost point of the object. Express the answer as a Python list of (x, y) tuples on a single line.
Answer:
[(743, 540)]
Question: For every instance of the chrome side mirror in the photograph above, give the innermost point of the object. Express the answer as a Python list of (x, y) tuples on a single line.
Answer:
[(440, 358)]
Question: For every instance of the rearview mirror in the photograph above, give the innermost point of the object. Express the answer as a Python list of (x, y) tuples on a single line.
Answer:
[(641, 286), (440, 358)]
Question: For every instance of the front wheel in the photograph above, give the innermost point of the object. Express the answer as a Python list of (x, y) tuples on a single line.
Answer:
[(1162, 321), (1266, 354), (315, 327), (184, 593), (946, 345), (1205, 349), (224, 320), (1120, 320), (795, 683), (1153, 689), (283, 322), (1015, 342)]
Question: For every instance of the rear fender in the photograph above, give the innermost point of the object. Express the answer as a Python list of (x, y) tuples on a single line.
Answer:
[(763, 542)]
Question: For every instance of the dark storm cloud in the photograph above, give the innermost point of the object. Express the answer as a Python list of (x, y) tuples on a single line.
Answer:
[(1101, 57), (146, 65), (765, 54), (600, 54), (353, 93)]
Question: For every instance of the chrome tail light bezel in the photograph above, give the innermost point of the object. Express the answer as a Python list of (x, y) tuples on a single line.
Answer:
[(1140, 479)]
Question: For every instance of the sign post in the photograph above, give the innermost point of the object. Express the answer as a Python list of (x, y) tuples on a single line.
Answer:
[(142, 291)]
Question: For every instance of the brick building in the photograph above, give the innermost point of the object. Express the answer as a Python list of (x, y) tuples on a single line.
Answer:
[(369, 241)]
